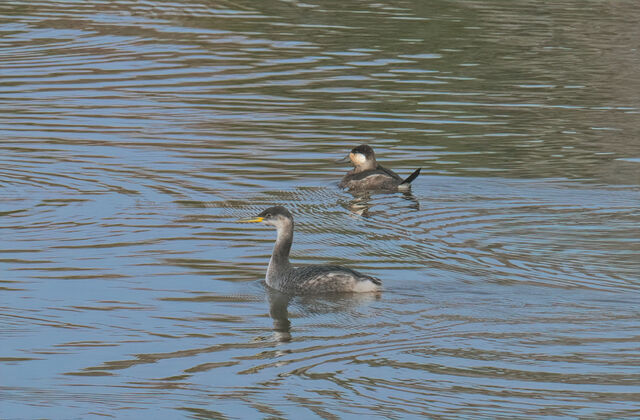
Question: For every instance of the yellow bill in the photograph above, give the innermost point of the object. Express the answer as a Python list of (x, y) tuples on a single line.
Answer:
[(254, 220)]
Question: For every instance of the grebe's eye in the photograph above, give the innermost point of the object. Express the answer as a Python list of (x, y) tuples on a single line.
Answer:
[(268, 215)]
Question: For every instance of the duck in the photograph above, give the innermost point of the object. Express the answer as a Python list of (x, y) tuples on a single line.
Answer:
[(368, 174)]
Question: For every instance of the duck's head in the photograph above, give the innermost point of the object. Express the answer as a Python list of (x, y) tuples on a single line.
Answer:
[(363, 157)]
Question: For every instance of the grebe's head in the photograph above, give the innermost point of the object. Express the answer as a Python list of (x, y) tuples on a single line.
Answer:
[(276, 216)]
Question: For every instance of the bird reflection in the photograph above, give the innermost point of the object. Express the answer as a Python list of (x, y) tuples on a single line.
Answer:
[(310, 305), (363, 201), (279, 312)]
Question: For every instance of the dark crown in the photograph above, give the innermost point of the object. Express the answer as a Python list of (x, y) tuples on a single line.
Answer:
[(276, 211), (365, 150)]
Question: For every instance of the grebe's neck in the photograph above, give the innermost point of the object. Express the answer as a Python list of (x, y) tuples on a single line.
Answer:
[(279, 265)]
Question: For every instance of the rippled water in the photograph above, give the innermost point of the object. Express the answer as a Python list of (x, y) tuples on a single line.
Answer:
[(135, 134)]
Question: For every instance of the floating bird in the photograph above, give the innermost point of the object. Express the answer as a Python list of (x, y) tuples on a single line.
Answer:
[(370, 175), (281, 275)]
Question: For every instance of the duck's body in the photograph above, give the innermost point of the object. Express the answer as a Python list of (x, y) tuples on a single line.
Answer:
[(379, 178), (368, 174), (281, 275)]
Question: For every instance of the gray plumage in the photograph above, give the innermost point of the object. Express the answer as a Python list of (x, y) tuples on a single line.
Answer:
[(325, 279), (281, 275)]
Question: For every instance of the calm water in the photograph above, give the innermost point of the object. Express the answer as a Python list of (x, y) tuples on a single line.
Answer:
[(133, 136)]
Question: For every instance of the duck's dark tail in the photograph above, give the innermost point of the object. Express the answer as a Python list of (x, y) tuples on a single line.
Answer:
[(411, 177)]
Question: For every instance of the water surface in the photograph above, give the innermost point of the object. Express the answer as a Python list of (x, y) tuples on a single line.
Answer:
[(134, 135)]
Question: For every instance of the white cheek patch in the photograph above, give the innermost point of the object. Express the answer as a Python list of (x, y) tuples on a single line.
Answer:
[(357, 158)]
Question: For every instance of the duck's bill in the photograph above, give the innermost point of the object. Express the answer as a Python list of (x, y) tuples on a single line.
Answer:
[(253, 220), (343, 160)]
